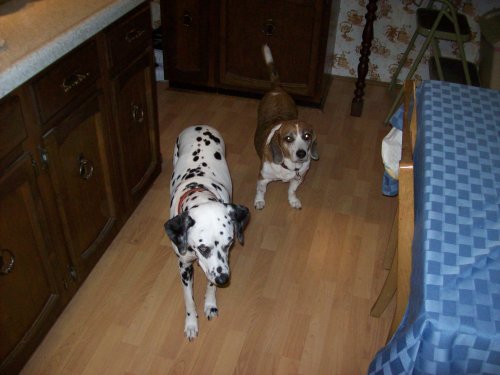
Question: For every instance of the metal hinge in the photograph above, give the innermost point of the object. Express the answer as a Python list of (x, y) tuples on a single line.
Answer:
[(72, 272), (44, 158)]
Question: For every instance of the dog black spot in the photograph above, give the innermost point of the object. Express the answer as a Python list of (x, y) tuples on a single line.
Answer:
[(219, 269), (219, 256), (217, 155), (201, 174), (191, 175), (195, 206), (198, 128), (195, 158), (204, 164), (188, 314), (212, 199), (216, 243), (212, 137), (187, 275), (216, 186), (221, 233), (199, 139), (207, 142), (195, 153), (204, 250)]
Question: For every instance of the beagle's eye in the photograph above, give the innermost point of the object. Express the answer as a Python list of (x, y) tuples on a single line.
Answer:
[(288, 139), (307, 136), (204, 250)]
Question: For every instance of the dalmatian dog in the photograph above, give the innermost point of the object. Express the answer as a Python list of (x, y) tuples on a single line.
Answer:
[(285, 144), (203, 221)]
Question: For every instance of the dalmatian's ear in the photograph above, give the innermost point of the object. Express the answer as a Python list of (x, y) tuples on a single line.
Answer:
[(239, 216), (177, 229)]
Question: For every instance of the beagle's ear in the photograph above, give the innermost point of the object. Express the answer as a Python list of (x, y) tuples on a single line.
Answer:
[(314, 151), (240, 215), (177, 229), (276, 152)]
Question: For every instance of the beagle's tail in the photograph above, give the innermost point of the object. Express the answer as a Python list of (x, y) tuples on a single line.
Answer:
[(268, 57)]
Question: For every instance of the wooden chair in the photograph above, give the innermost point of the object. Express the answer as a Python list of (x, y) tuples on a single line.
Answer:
[(398, 279)]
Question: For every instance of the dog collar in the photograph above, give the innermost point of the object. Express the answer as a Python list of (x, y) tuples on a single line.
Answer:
[(296, 170), (186, 194)]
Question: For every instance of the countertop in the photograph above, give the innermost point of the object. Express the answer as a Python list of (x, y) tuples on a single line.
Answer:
[(35, 33)]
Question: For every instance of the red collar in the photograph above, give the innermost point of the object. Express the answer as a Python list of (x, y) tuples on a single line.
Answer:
[(185, 195)]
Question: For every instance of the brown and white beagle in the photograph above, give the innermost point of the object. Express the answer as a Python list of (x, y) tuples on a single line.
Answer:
[(284, 143)]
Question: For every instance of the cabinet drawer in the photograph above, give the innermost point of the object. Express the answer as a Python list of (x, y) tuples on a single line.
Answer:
[(66, 79), (128, 38), (12, 131)]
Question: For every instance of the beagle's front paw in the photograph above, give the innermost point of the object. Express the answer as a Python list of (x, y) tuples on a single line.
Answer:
[(259, 204), (295, 202)]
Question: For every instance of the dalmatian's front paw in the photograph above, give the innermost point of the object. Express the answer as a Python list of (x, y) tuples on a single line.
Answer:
[(211, 311), (191, 326), (295, 202)]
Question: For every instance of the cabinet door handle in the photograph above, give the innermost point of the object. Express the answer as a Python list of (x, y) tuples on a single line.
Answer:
[(134, 34), (187, 19), (137, 113), (269, 27), (86, 169), (74, 80), (7, 261)]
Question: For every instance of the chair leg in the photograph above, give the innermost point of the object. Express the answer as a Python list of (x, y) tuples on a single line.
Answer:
[(392, 244), (402, 61), (437, 56), (387, 292)]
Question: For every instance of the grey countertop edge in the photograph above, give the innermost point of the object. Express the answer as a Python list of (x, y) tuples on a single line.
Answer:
[(25, 69)]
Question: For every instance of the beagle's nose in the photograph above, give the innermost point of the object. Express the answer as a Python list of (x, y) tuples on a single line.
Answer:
[(301, 154), (222, 279)]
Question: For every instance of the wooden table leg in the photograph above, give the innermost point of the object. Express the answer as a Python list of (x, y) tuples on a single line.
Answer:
[(366, 45)]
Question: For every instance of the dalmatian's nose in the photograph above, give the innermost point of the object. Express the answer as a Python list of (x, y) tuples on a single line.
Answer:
[(222, 279), (301, 154)]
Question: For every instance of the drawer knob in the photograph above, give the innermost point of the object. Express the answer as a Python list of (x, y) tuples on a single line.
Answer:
[(133, 35), (269, 27), (187, 19), (7, 261), (137, 113), (74, 80), (86, 169)]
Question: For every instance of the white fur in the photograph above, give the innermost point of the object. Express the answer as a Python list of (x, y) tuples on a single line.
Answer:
[(201, 177)]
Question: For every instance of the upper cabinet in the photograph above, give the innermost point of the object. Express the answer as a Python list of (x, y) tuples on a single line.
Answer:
[(225, 41)]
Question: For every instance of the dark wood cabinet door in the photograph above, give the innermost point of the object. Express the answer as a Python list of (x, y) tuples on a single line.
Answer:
[(135, 110), (79, 164), (187, 41), (29, 296), (291, 29)]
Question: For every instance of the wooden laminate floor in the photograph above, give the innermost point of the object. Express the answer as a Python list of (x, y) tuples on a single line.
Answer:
[(302, 285)]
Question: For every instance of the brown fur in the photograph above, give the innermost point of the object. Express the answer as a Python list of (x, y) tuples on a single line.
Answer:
[(274, 108)]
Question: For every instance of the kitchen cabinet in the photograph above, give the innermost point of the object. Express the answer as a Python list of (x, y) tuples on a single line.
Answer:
[(30, 297), (79, 148), (223, 39), (76, 154), (133, 92)]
